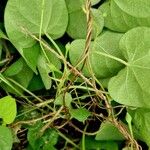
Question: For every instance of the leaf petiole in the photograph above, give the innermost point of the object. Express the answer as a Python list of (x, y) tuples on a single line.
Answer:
[(113, 57)]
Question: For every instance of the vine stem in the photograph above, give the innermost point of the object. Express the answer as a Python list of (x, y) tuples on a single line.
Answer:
[(31, 121), (126, 134), (52, 119), (89, 20)]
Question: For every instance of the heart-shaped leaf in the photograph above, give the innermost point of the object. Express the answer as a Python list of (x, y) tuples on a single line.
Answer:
[(131, 85), (37, 17), (28, 14), (104, 45)]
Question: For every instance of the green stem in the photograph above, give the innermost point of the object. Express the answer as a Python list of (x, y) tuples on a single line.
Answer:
[(4, 61), (2, 78), (40, 32), (56, 46), (113, 57), (40, 100), (83, 139)]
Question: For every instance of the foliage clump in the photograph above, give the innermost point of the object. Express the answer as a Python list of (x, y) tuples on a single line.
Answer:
[(74, 74)]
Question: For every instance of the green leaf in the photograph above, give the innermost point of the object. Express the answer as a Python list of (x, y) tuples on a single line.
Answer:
[(115, 18), (81, 114), (8, 109), (45, 67), (50, 138), (27, 14), (15, 68), (124, 21), (92, 144), (77, 26), (33, 134), (102, 65), (31, 56), (131, 85), (45, 141), (76, 49), (108, 132), (118, 20), (106, 44), (141, 124), (35, 83), (64, 99), (104, 82), (108, 20), (22, 17), (6, 139), (128, 20), (136, 8), (55, 63), (20, 72)]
